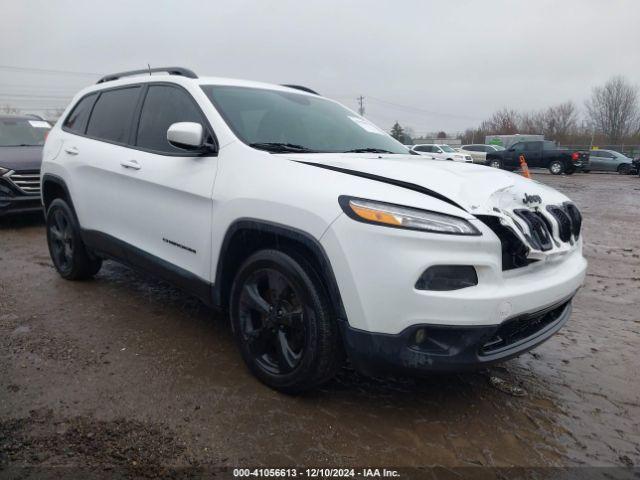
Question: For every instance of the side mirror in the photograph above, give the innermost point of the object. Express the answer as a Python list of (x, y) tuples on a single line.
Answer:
[(186, 135)]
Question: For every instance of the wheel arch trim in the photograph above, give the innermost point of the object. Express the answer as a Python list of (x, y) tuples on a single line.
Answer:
[(290, 233), (59, 181)]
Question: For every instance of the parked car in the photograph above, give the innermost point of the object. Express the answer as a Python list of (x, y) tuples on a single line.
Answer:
[(540, 154), (479, 151), (441, 152), (610, 161), (635, 166), (310, 226), (21, 141)]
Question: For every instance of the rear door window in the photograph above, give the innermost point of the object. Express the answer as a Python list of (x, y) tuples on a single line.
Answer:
[(76, 122), (113, 113), (163, 106)]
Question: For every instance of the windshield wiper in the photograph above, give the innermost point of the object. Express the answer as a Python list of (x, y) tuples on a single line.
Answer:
[(277, 147), (24, 145), (368, 150)]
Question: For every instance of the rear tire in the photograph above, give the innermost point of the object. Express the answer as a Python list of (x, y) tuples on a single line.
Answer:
[(556, 168), (68, 252), (624, 169), (283, 322)]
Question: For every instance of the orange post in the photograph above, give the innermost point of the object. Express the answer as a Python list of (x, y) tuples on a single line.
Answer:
[(524, 167)]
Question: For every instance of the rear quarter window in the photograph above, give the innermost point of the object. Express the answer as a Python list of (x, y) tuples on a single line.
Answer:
[(113, 113), (76, 122)]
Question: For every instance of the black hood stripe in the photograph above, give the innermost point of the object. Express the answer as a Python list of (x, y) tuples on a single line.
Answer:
[(390, 181)]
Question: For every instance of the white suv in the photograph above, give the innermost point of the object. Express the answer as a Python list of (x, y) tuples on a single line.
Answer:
[(318, 233), (441, 151)]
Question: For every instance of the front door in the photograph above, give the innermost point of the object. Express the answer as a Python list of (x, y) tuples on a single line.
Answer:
[(166, 194)]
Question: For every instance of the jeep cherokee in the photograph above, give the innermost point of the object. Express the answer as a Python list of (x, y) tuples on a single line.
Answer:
[(318, 233)]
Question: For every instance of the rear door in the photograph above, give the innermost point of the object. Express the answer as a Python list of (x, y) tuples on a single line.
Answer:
[(165, 193), (95, 141)]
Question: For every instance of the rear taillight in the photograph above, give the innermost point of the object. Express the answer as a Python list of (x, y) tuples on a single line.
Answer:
[(575, 156)]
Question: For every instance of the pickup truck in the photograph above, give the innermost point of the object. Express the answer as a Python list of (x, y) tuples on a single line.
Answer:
[(540, 154)]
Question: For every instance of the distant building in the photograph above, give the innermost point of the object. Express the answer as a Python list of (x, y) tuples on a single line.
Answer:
[(454, 142)]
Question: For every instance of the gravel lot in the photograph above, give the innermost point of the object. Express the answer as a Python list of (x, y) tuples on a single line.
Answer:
[(127, 372)]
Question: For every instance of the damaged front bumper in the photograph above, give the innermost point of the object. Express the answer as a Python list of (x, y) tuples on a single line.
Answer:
[(432, 348)]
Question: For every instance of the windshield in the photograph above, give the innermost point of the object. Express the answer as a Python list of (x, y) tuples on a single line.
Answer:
[(498, 148), (447, 149), (19, 132), (279, 122)]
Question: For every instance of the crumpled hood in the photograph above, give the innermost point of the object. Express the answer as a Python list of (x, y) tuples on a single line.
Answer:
[(21, 158), (476, 188)]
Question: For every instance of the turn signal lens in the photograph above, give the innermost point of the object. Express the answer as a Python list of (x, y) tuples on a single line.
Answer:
[(397, 216), (375, 215)]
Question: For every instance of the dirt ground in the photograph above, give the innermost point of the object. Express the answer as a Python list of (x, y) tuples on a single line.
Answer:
[(129, 373)]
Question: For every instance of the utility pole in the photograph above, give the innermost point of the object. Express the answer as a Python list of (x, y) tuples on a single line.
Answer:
[(361, 105)]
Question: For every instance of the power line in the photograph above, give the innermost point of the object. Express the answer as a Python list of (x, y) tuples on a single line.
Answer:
[(43, 70), (421, 110)]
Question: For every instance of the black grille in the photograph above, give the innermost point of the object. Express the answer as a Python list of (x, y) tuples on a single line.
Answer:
[(576, 218), (514, 252), (539, 228), (523, 328), (564, 221)]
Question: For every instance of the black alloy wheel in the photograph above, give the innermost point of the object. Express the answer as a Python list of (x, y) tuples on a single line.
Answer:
[(68, 252), (272, 321), (283, 322), (61, 240)]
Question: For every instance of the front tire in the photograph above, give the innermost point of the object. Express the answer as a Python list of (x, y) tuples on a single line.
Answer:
[(68, 252), (495, 163), (284, 323), (624, 169), (556, 168)]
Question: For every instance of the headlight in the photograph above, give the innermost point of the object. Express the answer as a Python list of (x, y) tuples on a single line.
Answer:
[(397, 216)]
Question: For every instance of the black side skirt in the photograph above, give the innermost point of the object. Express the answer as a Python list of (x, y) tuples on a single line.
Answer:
[(110, 247)]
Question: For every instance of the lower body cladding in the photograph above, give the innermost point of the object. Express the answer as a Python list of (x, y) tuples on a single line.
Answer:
[(394, 323)]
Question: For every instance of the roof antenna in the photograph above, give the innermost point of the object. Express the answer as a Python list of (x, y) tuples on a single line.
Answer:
[(148, 65)]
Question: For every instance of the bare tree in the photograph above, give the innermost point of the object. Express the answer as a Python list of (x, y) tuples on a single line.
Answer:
[(560, 121), (613, 109), (503, 122), (532, 122), (8, 109)]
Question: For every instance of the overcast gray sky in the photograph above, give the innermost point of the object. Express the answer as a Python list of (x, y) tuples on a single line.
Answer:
[(429, 64)]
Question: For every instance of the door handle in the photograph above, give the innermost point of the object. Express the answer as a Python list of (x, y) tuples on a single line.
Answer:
[(71, 150), (132, 164)]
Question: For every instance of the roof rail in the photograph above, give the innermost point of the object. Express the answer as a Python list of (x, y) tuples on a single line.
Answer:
[(300, 87), (183, 72)]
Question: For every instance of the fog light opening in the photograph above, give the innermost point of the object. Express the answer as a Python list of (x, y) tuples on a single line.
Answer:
[(443, 278)]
